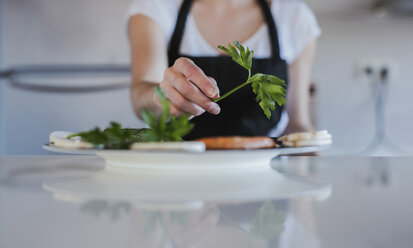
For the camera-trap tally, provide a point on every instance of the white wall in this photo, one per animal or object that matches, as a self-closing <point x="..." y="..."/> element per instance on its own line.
<point x="345" y="105"/>
<point x="1" y="83"/>
<point x="339" y="6"/>
<point x="64" y="31"/>
<point x="40" y="32"/>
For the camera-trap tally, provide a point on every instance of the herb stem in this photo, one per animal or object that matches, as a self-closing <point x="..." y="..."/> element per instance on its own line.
<point x="234" y="89"/>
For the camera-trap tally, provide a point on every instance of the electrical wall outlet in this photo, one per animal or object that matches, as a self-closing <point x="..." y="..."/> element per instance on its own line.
<point x="373" y="70"/>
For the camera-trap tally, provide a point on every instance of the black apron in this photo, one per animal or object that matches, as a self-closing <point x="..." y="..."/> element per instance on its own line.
<point x="240" y="113"/>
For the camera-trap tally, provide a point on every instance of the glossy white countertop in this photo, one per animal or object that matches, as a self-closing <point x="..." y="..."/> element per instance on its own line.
<point x="360" y="202"/>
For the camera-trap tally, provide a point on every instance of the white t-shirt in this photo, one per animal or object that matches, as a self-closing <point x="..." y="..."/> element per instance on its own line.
<point x="296" y="26"/>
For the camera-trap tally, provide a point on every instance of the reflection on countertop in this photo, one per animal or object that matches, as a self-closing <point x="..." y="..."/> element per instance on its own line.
<point x="249" y="224"/>
<point x="370" y="198"/>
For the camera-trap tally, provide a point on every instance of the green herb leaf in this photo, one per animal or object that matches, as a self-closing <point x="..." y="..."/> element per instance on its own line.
<point x="119" y="138"/>
<point x="95" y="136"/>
<point x="269" y="90"/>
<point x="165" y="127"/>
<point x="239" y="54"/>
<point x="179" y="127"/>
<point x="113" y="137"/>
<point x="162" y="128"/>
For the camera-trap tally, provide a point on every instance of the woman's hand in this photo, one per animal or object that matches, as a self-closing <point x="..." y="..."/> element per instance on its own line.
<point x="189" y="89"/>
<point x="185" y="84"/>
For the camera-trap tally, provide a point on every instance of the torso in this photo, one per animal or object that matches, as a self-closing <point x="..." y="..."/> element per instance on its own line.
<point x="220" y="25"/>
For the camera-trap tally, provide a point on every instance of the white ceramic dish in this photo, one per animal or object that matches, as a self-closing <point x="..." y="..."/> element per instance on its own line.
<point x="173" y="160"/>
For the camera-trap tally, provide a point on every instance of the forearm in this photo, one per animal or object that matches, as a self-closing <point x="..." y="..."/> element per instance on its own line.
<point x="148" y="62"/>
<point x="298" y="93"/>
<point x="297" y="105"/>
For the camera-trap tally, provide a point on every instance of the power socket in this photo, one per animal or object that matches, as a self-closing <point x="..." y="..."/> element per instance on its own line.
<point x="372" y="70"/>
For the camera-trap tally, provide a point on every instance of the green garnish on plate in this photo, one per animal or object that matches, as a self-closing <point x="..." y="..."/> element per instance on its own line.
<point x="164" y="127"/>
<point x="113" y="137"/>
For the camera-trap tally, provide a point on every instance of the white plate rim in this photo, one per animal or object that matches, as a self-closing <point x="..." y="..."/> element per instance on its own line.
<point x="282" y="151"/>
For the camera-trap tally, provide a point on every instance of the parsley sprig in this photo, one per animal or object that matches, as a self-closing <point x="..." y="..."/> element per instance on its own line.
<point x="269" y="89"/>
<point x="164" y="127"/>
<point x="113" y="137"/>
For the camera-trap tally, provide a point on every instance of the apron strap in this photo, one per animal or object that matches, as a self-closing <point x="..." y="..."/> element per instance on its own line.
<point x="272" y="29"/>
<point x="175" y="43"/>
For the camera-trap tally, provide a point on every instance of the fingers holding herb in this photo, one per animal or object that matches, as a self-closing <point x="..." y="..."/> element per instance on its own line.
<point x="185" y="86"/>
<point x="187" y="96"/>
<point x="214" y="82"/>
<point x="194" y="74"/>
<point x="180" y="103"/>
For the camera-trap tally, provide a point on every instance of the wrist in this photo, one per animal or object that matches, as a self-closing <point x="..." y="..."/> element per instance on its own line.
<point x="144" y="97"/>
<point x="298" y="127"/>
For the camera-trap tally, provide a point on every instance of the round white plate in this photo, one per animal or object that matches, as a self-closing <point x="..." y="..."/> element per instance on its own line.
<point x="173" y="160"/>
